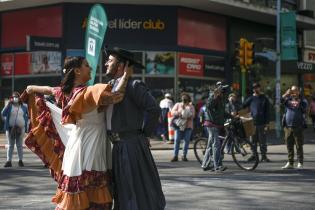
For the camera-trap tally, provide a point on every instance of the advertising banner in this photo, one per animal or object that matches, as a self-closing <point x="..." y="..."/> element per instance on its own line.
<point x="94" y="36"/>
<point x="41" y="21"/>
<point x="159" y="63"/>
<point x="288" y="36"/>
<point x="214" y="66"/>
<point x="309" y="56"/>
<point x="44" y="62"/>
<point x="191" y="64"/>
<point x="22" y="63"/>
<point x="38" y="43"/>
<point x="201" y="30"/>
<point x="7" y="63"/>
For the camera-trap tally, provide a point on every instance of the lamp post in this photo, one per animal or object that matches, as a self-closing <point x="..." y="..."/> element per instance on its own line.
<point x="278" y="73"/>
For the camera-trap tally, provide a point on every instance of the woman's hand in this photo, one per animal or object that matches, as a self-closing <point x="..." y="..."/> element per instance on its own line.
<point x="29" y="89"/>
<point x="128" y="70"/>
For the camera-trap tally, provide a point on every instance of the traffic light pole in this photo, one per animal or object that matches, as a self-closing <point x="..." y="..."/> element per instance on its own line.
<point x="243" y="73"/>
<point x="278" y="74"/>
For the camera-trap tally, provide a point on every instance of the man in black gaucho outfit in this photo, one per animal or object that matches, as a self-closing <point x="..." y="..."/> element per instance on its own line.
<point x="129" y="123"/>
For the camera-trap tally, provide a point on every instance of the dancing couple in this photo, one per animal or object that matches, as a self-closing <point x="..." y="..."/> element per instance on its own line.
<point x="94" y="139"/>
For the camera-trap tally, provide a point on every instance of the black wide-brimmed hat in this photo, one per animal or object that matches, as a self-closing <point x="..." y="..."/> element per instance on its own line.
<point x="124" y="54"/>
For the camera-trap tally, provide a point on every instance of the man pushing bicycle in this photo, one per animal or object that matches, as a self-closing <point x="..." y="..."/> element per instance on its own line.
<point x="214" y="121"/>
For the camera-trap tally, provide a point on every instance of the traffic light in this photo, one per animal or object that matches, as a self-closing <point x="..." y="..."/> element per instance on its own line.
<point x="240" y="51"/>
<point x="249" y="53"/>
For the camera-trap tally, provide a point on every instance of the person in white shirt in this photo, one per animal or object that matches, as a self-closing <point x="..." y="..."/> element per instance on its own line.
<point x="166" y="105"/>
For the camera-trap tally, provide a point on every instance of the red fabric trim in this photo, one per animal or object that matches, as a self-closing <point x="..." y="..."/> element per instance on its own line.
<point x="76" y="184"/>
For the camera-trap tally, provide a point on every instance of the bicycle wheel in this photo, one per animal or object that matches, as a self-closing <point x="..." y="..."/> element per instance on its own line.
<point x="200" y="147"/>
<point x="243" y="155"/>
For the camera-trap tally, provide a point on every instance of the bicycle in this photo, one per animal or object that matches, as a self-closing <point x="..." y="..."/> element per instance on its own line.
<point x="241" y="148"/>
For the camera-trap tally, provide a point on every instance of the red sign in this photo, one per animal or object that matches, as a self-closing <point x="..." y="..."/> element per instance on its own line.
<point x="22" y="63"/>
<point x="191" y="64"/>
<point x="7" y="64"/>
<point x="201" y="30"/>
<point x="16" y="25"/>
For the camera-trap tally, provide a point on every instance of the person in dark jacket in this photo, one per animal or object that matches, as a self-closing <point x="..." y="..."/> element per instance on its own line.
<point x="295" y="109"/>
<point x="259" y="106"/>
<point x="214" y="121"/>
<point x="136" y="182"/>
<point x="233" y="107"/>
<point x="15" y="117"/>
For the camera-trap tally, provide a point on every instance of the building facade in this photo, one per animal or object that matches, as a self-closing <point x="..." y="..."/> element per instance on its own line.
<point x="184" y="46"/>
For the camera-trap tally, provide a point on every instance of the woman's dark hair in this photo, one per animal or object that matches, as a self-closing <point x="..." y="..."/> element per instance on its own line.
<point x="68" y="69"/>
<point x="186" y="95"/>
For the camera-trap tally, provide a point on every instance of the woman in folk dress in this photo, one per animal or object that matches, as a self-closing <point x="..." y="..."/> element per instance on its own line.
<point x="80" y="160"/>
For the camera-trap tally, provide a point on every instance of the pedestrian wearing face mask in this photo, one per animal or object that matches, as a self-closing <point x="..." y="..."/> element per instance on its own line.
<point x="184" y="112"/>
<point x="15" y="118"/>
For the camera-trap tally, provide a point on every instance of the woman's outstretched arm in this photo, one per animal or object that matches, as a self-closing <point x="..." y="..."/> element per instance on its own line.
<point x="46" y="90"/>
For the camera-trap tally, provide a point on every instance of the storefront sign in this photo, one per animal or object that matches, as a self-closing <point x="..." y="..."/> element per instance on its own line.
<point x="309" y="56"/>
<point x="44" y="62"/>
<point x="7" y="64"/>
<point x="160" y="63"/>
<point x="214" y="66"/>
<point x="145" y="27"/>
<point x="136" y="25"/>
<point x="191" y="64"/>
<point x="304" y="66"/>
<point x="94" y="36"/>
<point x="37" y="43"/>
<point x="288" y="36"/>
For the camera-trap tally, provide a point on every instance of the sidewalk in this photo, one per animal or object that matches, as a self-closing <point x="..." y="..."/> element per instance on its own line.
<point x="156" y="144"/>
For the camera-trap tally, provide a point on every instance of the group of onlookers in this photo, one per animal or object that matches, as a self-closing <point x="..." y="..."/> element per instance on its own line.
<point x="216" y="109"/>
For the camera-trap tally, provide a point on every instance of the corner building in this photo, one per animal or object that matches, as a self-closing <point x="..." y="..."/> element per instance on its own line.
<point x="183" y="45"/>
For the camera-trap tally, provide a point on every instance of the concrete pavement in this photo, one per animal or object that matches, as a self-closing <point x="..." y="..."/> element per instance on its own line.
<point x="157" y="144"/>
<point x="185" y="185"/>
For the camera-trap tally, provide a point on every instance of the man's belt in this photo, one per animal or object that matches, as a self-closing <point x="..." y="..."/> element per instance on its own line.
<point x="118" y="136"/>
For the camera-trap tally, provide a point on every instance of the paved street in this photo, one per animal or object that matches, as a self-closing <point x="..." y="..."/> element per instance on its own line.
<point x="184" y="184"/>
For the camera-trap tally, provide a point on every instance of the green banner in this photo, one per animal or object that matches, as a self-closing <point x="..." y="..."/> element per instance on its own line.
<point x="288" y="36"/>
<point x="94" y="36"/>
